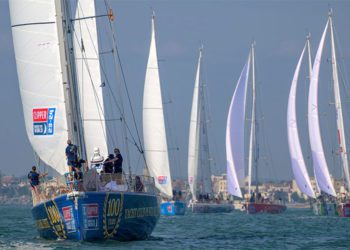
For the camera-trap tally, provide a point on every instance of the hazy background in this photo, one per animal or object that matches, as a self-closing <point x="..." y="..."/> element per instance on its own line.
<point x="226" y="28"/>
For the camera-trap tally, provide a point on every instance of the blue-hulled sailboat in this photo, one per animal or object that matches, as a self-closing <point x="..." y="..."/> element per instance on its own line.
<point x="154" y="134"/>
<point x="63" y="88"/>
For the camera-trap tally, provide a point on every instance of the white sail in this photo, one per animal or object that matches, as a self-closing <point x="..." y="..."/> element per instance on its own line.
<point x="320" y="165"/>
<point x="193" y="141"/>
<point x="235" y="135"/>
<point x="338" y="106"/>
<point x="155" y="143"/>
<point x="36" y="46"/>
<point x="89" y="78"/>
<point x="298" y="165"/>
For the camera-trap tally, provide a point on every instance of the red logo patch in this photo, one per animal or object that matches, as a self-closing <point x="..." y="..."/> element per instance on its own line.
<point x="40" y="115"/>
<point x="67" y="213"/>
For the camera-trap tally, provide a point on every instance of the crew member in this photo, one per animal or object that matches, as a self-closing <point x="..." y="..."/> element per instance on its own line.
<point x="71" y="154"/>
<point x="118" y="162"/>
<point x="108" y="164"/>
<point x="34" y="176"/>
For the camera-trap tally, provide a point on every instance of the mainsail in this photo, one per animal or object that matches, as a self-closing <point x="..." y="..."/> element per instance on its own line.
<point x="40" y="78"/>
<point x="89" y="82"/>
<point x="235" y="135"/>
<point x="155" y="143"/>
<point x="320" y="165"/>
<point x="298" y="164"/>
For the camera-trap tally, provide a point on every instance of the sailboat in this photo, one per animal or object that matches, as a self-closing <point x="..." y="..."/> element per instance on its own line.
<point x="235" y="146"/>
<point x="199" y="169"/>
<point x="155" y="141"/>
<point x="59" y="71"/>
<point x="328" y="203"/>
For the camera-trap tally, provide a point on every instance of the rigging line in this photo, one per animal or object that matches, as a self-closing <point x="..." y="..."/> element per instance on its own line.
<point x="85" y="61"/>
<point x="120" y="109"/>
<point x="175" y="159"/>
<point x="113" y="126"/>
<point x="127" y="91"/>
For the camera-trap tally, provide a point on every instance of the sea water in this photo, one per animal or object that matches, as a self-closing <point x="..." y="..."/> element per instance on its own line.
<point x="294" y="229"/>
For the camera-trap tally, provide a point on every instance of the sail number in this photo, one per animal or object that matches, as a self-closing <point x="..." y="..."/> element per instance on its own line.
<point x="114" y="207"/>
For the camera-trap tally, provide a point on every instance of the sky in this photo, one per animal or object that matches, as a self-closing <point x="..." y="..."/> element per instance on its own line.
<point x="226" y="29"/>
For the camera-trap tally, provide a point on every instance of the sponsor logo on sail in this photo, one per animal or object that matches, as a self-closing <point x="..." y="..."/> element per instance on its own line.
<point x="44" y="121"/>
<point x="162" y="179"/>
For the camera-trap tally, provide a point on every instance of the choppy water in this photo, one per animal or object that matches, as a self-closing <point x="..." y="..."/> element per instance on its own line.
<point x="295" y="229"/>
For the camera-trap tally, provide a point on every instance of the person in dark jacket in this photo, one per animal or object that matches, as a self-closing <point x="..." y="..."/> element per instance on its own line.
<point x="34" y="177"/>
<point x="108" y="164"/>
<point x="71" y="154"/>
<point x="78" y="174"/>
<point x="118" y="161"/>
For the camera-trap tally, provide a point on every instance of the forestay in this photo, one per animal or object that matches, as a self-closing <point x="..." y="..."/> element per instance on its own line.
<point x="40" y="78"/>
<point x="155" y="143"/>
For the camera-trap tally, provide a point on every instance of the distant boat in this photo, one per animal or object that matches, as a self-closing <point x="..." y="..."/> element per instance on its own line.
<point x="255" y="203"/>
<point x="328" y="203"/>
<point x="154" y="134"/>
<point x="59" y="72"/>
<point x="199" y="169"/>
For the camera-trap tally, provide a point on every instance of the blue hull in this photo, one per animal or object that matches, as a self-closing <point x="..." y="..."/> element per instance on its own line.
<point x="173" y="208"/>
<point x="97" y="216"/>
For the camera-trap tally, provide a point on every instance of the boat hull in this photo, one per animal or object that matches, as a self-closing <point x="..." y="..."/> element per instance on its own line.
<point x="343" y="209"/>
<point x="325" y="208"/>
<point x="255" y="208"/>
<point x="211" y="208"/>
<point x="173" y="208"/>
<point x="97" y="216"/>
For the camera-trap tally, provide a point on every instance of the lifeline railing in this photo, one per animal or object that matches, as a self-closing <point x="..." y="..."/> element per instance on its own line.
<point x="91" y="181"/>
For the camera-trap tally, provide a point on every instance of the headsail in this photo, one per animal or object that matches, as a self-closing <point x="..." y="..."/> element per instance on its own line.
<point x="235" y="135"/>
<point x="36" y="46"/>
<point x="320" y="165"/>
<point x="298" y="164"/>
<point x="193" y="142"/>
<point x="89" y="77"/>
<point x="155" y="143"/>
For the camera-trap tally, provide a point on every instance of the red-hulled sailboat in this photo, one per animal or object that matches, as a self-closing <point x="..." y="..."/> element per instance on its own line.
<point x="256" y="203"/>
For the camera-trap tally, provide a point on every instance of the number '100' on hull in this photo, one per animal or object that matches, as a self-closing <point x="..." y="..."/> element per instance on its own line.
<point x="95" y="216"/>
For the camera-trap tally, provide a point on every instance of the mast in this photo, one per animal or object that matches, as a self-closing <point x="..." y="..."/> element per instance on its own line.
<point x="204" y="161"/>
<point x="338" y="106"/>
<point x="309" y="57"/>
<point x="252" y="141"/>
<point x="75" y="131"/>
